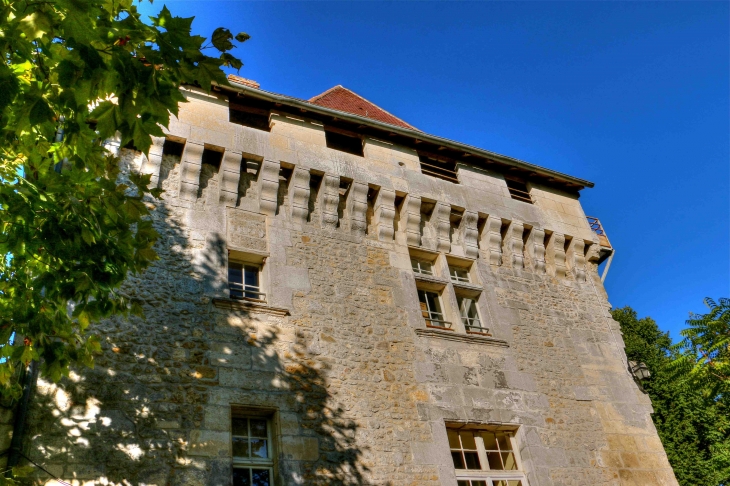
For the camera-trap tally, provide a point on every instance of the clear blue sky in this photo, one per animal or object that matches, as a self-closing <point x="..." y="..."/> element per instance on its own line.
<point x="630" y="95"/>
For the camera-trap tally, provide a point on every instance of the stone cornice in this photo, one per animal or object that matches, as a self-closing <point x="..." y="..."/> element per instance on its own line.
<point x="462" y="338"/>
<point x="241" y="305"/>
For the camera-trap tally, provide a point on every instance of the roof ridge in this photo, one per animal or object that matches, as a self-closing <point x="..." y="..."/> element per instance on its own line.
<point x="322" y="95"/>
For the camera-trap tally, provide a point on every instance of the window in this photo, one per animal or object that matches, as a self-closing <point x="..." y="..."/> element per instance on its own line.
<point x="344" y="143"/>
<point x="459" y="274"/>
<point x="442" y="168"/>
<point x="244" y="281"/>
<point x="518" y="190"/>
<point x="431" y="309"/>
<point x="422" y="267"/>
<point x="469" y="314"/>
<point x="252" y="451"/>
<point x="485" y="457"/>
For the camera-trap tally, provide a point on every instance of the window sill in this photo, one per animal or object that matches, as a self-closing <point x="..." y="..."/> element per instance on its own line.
<point x="449" y="335"/>
<point x="439" y="327"/>
<point x="250" y="306"/>
<point x="479" y="333"/>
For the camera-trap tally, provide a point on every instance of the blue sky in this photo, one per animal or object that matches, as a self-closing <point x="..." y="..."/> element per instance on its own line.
<point x="630" y="95"/>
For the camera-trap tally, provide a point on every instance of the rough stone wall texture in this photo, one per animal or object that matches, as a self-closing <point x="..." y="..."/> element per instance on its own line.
<point x="359" y="388"/>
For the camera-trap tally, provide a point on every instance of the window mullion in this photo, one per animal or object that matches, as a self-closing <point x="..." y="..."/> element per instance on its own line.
<point x="482" y="452"/>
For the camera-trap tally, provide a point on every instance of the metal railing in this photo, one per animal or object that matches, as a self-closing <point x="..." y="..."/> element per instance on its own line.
<point x="597" y="228"/>
<point x="247" y="292"/>
<point x="432" y="322"/>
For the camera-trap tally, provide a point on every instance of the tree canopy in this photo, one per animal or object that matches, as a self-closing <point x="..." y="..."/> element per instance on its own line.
<point x="74" y="74"/>
<point x="694" y="428"/>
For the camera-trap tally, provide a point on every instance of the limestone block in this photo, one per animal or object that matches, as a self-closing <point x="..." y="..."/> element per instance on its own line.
<point x="230" y="176"/>
<point x="152" y="165"/>
<point x="246" y="231"/>
<point x="192" y="161"/>
<point x="470" y="234"/>
<point x="209" y="443"/>
<point x="442" y="226"/>
<point x="358" y="207"/>
<point x="513" y="245"/>
<point x="385" y="214"/>
<point x="300" y="448"/>
<point x="412" y="219"/>
<point x="492" y="240"/>
<point x="299" y="195"/>
<point x="269" y="187"/>
<point x="330" y="200"/>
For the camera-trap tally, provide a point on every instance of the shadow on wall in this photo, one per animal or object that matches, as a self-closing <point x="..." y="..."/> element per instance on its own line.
<point x="152" y="410"/>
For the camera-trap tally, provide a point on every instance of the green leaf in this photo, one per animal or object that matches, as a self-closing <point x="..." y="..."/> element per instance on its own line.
<point x="107" y="117"/>
<point x="40" y="112"/>
<point x="9" y="86"/>
<point x="231" y="61"/>
<point x="222" y="39"/>
<point x="242" y="37"/>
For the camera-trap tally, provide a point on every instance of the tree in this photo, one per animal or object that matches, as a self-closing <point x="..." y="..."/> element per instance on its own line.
<point x="694" y="430"/>
<point x="75" y="73"/>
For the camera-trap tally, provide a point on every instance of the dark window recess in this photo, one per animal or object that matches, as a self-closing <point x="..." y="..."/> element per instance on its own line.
<point x="212" y="157"/>
<point x="518" y="190"/>
<point x="171" y="147"/>
<point x="443" y="169"/>
<point x="260" y="121"/>
<point x="344" y="143"/>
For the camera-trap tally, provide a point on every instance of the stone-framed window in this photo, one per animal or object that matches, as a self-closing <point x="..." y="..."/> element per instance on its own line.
<point x="469" y="314"/>
<point x="421" y="266"/>
<point x="459" y="274"/>
<point x="432" y="309"/>
<point x="245" y="276"/>
<point x="252" y="448"/>
<point x="518" y="190"/>
<point x="485" y="455"/>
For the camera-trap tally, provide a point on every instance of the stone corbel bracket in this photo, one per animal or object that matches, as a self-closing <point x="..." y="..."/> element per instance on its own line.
<point x="385" y="214"/>
<point x="299" y="195"/>
<point x="492" y="240"/>
<point x="154" y="161"/>
<point x="192" y="161"/>
<point x="513" y="244"/>
<point x="330" y="200"/>
<point x="412" y="219"/>
<point x="470" y="234"/>
<point x="230" y="176"/>
<point x="358" y="208"/>
<point x="269" y="187"/>
<point x="442" y="226"/>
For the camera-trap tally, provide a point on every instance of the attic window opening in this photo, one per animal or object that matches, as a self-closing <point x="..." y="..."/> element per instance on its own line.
<point x="250" y="117"/>
<point x="519" y="190"/>
<point x="442" y="169"/>
<point x="344" y="143"/>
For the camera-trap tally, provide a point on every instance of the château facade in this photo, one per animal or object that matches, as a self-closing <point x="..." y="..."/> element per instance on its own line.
<point x="344" y="299"/>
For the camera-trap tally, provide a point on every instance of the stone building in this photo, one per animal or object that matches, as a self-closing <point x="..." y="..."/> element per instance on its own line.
<point x="344" y="299"/>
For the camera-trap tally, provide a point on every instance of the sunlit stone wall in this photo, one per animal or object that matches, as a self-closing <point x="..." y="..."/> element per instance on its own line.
<point x="358" y="386"/>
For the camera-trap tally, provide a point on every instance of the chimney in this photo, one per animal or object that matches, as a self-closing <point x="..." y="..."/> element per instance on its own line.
<point x="246" y="82"/>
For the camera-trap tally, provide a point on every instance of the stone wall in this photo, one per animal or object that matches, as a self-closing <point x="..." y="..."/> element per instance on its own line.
<point x="358" y="386"/>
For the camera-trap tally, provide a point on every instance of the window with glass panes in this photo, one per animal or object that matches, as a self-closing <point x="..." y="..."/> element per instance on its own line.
<point x="421" y="266"/>
<point x="469" y="314"/>
<point x="459" y="274"/>
<point x="252" y="451"/>
<point x="431" y="308"/>
<point x="485" y="458"/>
<point x="244" y="281"/>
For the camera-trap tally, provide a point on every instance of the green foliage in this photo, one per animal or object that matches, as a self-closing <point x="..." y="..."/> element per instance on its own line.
<point x="704" y="353"/>
<point x="90" y="70"/>
<point x="694" y="429"/>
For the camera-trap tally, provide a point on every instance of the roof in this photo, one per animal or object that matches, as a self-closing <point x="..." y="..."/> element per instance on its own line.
<point x="343" y="99"/>
<point x="245" y="89"/>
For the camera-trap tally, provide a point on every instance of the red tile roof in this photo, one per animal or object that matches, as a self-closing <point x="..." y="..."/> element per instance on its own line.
<point x="342" y="99"/>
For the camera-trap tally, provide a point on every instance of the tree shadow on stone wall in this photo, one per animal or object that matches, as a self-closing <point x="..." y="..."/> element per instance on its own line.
<point x="129" y="420"/>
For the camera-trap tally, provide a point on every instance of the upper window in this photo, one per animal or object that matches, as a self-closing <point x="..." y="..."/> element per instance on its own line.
<point x="250" y="117"/>
<point x="459" y="274"/>
<point x="518" y="190"/>
<point x="344" y="143"/>
<point x="244" y="281"/>
<point x="422" y="266"/>
<point x="441" y="168"/>
<point x="252" y="451"/>
<point x="485" y="457"/>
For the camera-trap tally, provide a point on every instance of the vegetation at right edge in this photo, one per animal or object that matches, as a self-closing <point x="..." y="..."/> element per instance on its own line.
<point x="688" y="393"/>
